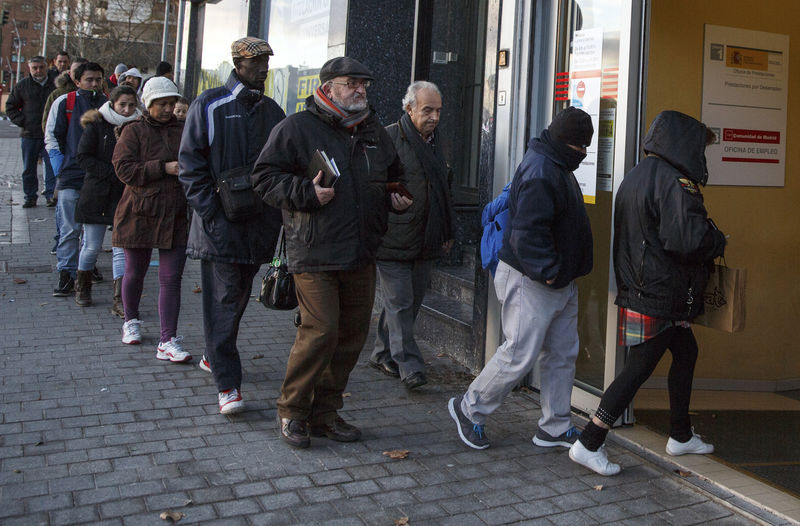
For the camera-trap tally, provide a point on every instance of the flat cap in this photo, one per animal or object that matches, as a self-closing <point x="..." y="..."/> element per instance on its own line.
<point x="344" y="67"/>
<point x="250" y="47"/>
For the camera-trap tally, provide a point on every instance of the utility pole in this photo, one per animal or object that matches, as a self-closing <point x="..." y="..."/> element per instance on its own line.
<point x="46" y="28"/>
<point x="165" y="33"/>
<point x="19" y="46"/>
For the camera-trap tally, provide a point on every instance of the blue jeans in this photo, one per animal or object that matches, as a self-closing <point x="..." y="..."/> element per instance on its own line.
<point x="32" y="150"/>
<point x="56" y="158"/>
<point x="69" y="231"/>
<point x="92" y="244"/>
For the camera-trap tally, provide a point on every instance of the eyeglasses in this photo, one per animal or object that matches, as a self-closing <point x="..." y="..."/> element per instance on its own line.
<point x="354" y="83"/>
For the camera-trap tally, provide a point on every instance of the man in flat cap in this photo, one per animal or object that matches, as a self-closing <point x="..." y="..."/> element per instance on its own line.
<point x="333" y="228"/>
<point x="225" y="129"/>
<point x="547" y="244"/>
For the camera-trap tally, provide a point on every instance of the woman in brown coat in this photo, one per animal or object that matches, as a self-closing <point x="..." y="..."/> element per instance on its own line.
<point x="152" y="214"/>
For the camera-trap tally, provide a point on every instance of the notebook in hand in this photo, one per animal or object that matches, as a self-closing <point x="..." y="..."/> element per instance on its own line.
<point x="330" y="173"/>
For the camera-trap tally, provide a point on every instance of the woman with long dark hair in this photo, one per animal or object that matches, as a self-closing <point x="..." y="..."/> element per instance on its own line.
<point x="101" y="190"/>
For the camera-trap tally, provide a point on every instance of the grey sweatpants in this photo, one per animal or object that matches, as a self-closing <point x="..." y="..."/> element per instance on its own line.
<point x="539" y="322"/>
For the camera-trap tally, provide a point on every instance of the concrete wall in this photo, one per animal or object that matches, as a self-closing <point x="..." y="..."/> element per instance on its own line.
<point x="763" y="222"/>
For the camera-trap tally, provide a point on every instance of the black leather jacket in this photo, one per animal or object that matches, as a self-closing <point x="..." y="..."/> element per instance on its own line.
<point x="663" y="240"/>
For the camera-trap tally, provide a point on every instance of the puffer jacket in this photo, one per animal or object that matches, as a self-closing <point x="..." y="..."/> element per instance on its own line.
<point x="152" y="212"/>
<point x="406" y="237"/>
<point x="346" y="232"/>
<point x="25" y="105"/>
<point x="548" y="235"/>
<point x="226" y="128"/>
<point x="101" y="189"/>
<point x="663" y="239"/>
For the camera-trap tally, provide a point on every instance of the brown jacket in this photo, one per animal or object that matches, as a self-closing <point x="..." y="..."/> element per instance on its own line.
<point x="152" y="212"/>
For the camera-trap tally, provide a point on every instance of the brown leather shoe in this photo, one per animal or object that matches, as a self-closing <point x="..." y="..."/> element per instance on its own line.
<point x="294" y="432"/>
<point x="338" y="430"/>
<point x="83" y="288"/>
<point x="415" y="380"/>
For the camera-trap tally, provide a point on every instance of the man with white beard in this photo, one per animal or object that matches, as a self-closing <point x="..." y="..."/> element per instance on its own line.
<point x="333" y="229"/>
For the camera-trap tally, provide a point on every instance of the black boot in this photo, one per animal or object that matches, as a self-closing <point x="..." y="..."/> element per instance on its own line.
<point x="96" y="276"/>
<point x="66" y="284"/>
<point x="83" y="288"/>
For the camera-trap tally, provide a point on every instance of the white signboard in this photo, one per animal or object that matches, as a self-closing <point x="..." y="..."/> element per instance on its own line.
<point x="745" y="92"/>
<point x="584" y="89"/>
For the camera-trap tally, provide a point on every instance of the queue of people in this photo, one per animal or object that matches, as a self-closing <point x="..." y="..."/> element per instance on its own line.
<point x="140" y="159"/>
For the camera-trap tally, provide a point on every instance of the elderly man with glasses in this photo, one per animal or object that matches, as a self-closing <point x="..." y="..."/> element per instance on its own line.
<point x="333" y="228"/>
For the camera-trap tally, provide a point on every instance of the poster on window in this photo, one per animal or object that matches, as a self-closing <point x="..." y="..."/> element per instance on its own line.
<point x="745" y="94"/>
<point x="584" y="88"/>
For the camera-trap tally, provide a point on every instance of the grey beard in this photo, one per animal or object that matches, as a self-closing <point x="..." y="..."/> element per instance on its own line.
<point x="355" y="107"/>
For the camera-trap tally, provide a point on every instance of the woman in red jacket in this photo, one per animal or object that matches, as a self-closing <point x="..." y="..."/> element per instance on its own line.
<point x="152" y="214"/>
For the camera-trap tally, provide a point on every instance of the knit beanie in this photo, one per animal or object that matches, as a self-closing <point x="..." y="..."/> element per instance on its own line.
<point x="158" y="88"/>
<point x="572" y="126"/>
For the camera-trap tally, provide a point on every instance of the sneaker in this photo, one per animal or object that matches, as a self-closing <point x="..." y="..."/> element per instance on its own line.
<point x="53" y="250"/>
<point x="204" y="365"/>
<point x="96" y="276"/>
<point x="230" y="401"/>
<point x="694" y="446"/>
<point x="471" y="434"/>
<point x="294" y="432"/>
<point x="565" y="439"/>
<point x="29" y="203"/>
<point x="131" y="332"/>
<point x="337" y="430"/>
<point x="65" y="286"/>
<point x="597" y="461"/>
<point x="173" y="350"/>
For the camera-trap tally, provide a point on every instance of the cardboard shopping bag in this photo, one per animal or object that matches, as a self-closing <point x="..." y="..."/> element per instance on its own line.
<point x="724" y="300"/>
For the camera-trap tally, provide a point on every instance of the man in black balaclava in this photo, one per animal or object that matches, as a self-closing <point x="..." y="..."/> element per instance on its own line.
<point x="547" y="244"/>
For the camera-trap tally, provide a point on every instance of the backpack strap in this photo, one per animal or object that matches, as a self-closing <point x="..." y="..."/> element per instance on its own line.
<point x="71" y="96"/>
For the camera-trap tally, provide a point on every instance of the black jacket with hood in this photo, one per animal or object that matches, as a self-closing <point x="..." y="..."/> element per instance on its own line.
<point x="345" y="233"/>
<point x="663" y="240"/>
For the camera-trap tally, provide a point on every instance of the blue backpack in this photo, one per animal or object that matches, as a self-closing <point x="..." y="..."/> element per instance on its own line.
<point x="494" y="221"/>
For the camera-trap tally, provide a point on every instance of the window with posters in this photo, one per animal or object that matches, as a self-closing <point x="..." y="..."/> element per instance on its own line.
<point x="301" y="34"/>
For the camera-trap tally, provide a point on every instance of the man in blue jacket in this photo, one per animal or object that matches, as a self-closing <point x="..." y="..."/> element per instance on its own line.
<point x="61" y="136"/>
<point x="547" y="244"/>
<point x="225" y="129"/>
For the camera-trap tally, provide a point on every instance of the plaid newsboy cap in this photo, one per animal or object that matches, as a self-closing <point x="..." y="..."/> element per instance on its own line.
<point x="249" y="47"/>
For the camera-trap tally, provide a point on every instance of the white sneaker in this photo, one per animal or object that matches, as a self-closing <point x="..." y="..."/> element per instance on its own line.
<point x="695" y="446"/>
<point x="230" y="402"/>
<point x="173" y="350"/>
<point x="204" y="365"/>
<point x="597" y="461"/>
<point x="131" y="332"/>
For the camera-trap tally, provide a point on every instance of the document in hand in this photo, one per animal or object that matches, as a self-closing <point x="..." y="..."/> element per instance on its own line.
<point x="330" y="173"/>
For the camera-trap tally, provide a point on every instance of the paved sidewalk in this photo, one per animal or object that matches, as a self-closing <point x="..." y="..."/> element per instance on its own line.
<point x="97" y="432"/>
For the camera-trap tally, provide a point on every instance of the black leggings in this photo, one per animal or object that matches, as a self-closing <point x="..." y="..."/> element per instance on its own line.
<point x="642" y="360"/>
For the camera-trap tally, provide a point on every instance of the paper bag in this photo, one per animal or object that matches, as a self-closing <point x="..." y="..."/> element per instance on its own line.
<point x="724" y="300"/>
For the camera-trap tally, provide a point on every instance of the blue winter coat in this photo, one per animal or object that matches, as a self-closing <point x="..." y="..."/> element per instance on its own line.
<point x="549" y="236"/>
<point x="226" y="128"/>
<point x="64" y="134"/>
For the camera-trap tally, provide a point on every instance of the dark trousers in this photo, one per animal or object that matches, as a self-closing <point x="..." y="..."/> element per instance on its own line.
<point x="226" y="292"/>
<point x="32" y="150"/>
<point x="402" y="289"/>
<point x="335" y="308"/>
<point x="642" y="360"/>
<point x="170" y="271"/>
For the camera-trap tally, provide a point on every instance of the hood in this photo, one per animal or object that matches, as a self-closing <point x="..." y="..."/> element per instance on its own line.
<point x="63" y="79"/>
<point x="681" y="141"/>
<point x="90" y="116"/>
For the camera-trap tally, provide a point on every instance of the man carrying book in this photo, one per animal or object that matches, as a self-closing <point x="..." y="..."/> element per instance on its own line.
<point x="332" y="235"/>
<point x="226" y="128"/>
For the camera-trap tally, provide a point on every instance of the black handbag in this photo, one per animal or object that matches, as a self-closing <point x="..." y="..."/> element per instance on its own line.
<point x="235" y="189"/>
<point x="277" y="287"/>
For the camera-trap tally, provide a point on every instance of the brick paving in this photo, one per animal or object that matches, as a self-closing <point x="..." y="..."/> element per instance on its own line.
<point x="97" y="432"/>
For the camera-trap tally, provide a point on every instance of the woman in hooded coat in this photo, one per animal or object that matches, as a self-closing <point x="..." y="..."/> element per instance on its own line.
<point x="101" y="190"/>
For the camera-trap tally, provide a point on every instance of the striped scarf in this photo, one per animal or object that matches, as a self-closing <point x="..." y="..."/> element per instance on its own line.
<point x="345" y="119"/>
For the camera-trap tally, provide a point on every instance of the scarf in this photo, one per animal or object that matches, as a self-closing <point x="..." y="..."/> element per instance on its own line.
<point x="570" y="157"/>
<point x="112" y="117"/>
<point x="344" y="118"/>
<point x="440" y="214"/>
